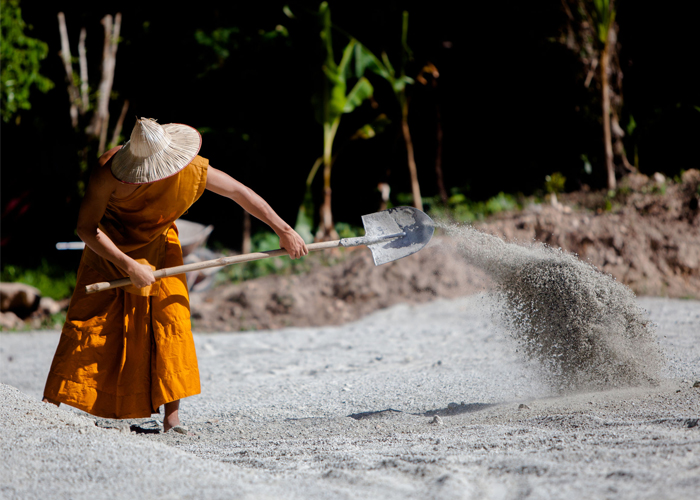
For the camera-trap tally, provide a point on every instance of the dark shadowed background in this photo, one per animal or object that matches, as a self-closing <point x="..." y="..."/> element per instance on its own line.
<point x="511" y="102"/>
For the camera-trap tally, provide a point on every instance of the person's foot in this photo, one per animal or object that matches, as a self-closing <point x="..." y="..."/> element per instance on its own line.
<point x="50" y="401"/>
<point x="171" y="417"/>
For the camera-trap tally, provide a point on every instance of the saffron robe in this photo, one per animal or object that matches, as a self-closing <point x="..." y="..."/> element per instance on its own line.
<point x="125" y="352"/>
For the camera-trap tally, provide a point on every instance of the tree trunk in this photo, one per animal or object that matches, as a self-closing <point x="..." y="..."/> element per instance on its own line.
<point x="415" y="187"/>
<point x="438" y="158"/>
<point x="73" y="93"/>
<point x="246" y="246"/>
<point x="120" y="123"/>
<point x="326" y="228"/>
<point x="607" y="134"/>
<point x="82" y="59"/>
<point x="100" y="120"/>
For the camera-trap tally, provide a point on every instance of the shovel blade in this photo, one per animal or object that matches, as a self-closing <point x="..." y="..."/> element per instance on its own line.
<point x="417" y="226"/>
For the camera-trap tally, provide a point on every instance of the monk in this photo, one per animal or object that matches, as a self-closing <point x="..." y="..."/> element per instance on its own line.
<point x="125" y="352"/>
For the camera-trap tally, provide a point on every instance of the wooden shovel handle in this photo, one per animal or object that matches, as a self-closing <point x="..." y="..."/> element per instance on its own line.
<point x="221" y="262"/>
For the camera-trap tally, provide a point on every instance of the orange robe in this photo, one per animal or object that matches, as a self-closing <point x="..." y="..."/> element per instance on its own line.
<point x="126" y="351"/>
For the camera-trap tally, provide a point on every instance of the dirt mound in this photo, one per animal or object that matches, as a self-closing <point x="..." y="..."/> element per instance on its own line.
<point x="647" y="236"/>
<point x="648" y="240"/>
<point x="337" y="294"/>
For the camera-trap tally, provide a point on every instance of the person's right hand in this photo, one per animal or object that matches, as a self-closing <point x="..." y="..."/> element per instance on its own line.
<point x="141" y="275"/>
<point x="293" y="243"/>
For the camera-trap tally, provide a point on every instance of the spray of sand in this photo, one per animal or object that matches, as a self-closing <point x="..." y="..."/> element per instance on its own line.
<point x="583" y="328"/>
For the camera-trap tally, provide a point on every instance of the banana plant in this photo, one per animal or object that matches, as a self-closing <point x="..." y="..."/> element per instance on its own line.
<point x="335" y="100"/>
<point x="398" y="80"/>
<point x="592" y="32"/>
<point x="603" y="13"/>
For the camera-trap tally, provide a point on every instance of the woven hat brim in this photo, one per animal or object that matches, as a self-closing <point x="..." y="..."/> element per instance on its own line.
<point x="184" y="146"/>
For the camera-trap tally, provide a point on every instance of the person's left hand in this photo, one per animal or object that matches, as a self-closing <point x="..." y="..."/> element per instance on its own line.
<point x="293" y="244"/>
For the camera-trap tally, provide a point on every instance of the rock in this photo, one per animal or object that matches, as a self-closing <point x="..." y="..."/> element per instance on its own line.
<point x="696" y="384"/>
<point x="523" y="407"/>
<point x="49" y="306"/>
<point x="635" y="181"/>
<point x="688" y="256"/>
<point x="19" y="298"/>
<point x="691" y="177"/>
<point x="436" y="420"/>
<point x="10" y="321"/>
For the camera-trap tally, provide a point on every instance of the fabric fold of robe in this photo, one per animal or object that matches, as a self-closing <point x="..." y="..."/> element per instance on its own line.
<point x="125" y="352"/>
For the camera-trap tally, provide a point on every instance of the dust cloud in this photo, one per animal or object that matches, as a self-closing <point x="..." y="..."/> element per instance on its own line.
<point x="581" y="327"/>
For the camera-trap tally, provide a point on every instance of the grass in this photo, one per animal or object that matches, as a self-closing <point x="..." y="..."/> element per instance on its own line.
<point x="52" y="281"/>
<point x="459" y="208"/>
<point x="283" y="265"/>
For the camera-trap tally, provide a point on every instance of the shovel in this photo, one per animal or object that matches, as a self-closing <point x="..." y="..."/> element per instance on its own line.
<point x="390" y="235"/>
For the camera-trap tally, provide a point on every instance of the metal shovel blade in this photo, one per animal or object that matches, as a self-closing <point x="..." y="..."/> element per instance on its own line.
<point x="416" y="225"/>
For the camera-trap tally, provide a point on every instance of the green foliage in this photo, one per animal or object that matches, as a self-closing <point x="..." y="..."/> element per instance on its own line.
<point x="285" y="266"/>
<point x="20" y="59"/>
<point x="603" y="14"/>
<point x="335" y="99"/>
<point x="678" y="178"/>
<point x="608" y="205"/>
<point x="304" y="223"/>
<point x="461" y="209"/>
<point x="52" y="281"/>
<point x="404" y="199"/>
<point x="260" y="242"/>
<point x="222" y="43"/>
<point x="502" y="202"/>
<point x="346" y="230"/>
<point x="587" y="167"/>
<point x="554" y="183"/>
<point x="596" y="18"/>
<point x="54" y="320"/>
<point x="397" y="79"/>
<point x="331" y="103"/>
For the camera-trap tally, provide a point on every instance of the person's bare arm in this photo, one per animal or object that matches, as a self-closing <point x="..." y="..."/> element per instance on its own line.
<point x="223" y="184"/>
<point x="101" y="186"/>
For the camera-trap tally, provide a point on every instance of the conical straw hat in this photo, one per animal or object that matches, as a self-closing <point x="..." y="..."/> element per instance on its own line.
<point x="155" y="151"/>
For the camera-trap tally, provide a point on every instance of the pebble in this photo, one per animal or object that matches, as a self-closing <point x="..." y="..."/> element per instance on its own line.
<point x="436" y="420"/>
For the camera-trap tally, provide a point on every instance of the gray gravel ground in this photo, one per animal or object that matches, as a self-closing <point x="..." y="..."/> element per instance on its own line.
<point x="411" y="402"/>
